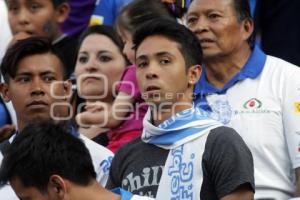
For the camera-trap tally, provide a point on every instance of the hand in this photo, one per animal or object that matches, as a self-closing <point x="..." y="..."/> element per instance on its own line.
<point x="96" y="106"/>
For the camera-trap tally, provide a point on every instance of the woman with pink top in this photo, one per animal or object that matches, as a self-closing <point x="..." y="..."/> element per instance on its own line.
<point x="110" y="103"/>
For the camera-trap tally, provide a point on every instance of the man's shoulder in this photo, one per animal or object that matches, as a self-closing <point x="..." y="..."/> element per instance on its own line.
<point x="137" y="149"/>
<point x="275" y="63"/>
<point x="133" y="145"/>
<point x="4" y="145"/>
<point x="223" y="136"/>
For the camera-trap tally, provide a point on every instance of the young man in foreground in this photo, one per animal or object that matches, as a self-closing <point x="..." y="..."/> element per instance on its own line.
<point x="46" y="162"/>
<point x="182" y="152"/>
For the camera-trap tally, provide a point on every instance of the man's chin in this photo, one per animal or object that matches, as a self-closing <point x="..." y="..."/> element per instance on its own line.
<point x="39" y="117"/>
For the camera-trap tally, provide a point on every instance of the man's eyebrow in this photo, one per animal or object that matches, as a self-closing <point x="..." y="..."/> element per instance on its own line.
<point x="163" y="53"/>
<point x="142" y="57"/>
<point x="158" y="54"/>
<point x="191" y="13"/>
<point x="30" y="73"/>
<point x="195" y="13"/>
<point x="24" y="74"/>
<point x="47" y="72"/>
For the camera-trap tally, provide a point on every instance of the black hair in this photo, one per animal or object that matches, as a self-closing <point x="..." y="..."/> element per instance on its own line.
<point x="24" y="48"/>
<point x="57" y="3"/>
<point x="242" y="9"/>
<point x="189" y="45"/>
<point x="140" y="11"/>
<point x="44" y="149"/>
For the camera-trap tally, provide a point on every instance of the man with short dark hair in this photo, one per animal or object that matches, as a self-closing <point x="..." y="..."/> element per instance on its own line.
<point x="36" y="86"/>
<point x="183" y="153"/>
<point x="46" y="162"/>
<point x="256" y="94"/>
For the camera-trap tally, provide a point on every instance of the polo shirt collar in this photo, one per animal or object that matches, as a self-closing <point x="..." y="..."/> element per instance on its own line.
<point x="251" y="69"/>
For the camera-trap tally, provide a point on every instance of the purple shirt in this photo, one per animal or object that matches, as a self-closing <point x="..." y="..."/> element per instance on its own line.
<point x="79" y="17"/>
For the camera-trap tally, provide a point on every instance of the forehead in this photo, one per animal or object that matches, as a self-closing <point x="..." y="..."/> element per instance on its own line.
<point x="101" y="41"/>
<point x="149" y="46"/>
<point x="39" y="63"/>
<point x="211" y="5"/>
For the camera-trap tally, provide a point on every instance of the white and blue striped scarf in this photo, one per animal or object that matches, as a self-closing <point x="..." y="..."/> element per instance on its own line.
<point x="184" y="134"/>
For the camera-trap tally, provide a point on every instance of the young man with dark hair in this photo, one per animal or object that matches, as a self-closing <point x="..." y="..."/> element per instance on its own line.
<point x="182" y="153"/>
<point x="256" y="94"/>
<point x="39" y="18"/>
<point x="35" y="84"/>
<point x="46" y="162"/>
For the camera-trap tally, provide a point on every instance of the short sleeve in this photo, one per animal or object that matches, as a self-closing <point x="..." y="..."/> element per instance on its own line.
<point x="227" y="163"/>
<point x="291" y="112"/>
<point x="114" y="178"/>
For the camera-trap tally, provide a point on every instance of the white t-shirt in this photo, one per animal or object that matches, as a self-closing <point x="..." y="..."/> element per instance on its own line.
<point x="265" y="111"/>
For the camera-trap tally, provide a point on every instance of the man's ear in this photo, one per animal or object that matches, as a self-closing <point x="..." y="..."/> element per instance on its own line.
<point x="248" y="27"/>
<point x="57" y="187"/>
<point x="62" y="12"/>
<point x="194" y="73"/>
<point x="5" y="92"/>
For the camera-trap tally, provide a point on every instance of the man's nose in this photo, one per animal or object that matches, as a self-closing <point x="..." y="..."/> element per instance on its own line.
<point x="152" y="71"/>
<point x="37" y="87"/>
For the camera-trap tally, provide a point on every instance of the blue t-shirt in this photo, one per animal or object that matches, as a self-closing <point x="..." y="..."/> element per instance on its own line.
<point x="106" y="11"/>
<point x="125" y="195"/>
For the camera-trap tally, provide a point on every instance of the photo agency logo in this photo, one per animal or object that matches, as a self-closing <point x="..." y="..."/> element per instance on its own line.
<point x="167" y="101"/>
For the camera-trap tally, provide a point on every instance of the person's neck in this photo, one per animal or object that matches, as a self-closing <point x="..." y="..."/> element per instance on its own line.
<point x="20" y="125"/>
<point x="94" y="191"/>
<point x="222" y="69"/>
<point x="160" y="113"/>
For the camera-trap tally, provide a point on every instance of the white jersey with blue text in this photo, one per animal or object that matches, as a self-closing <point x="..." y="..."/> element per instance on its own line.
<point x="265" y="111"/>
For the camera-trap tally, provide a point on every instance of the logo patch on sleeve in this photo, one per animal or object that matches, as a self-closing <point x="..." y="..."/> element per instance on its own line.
<point x="297" y="107"/>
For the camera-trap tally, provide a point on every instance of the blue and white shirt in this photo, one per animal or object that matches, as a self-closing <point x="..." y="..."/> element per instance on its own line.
<point x="262" y="103"/>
